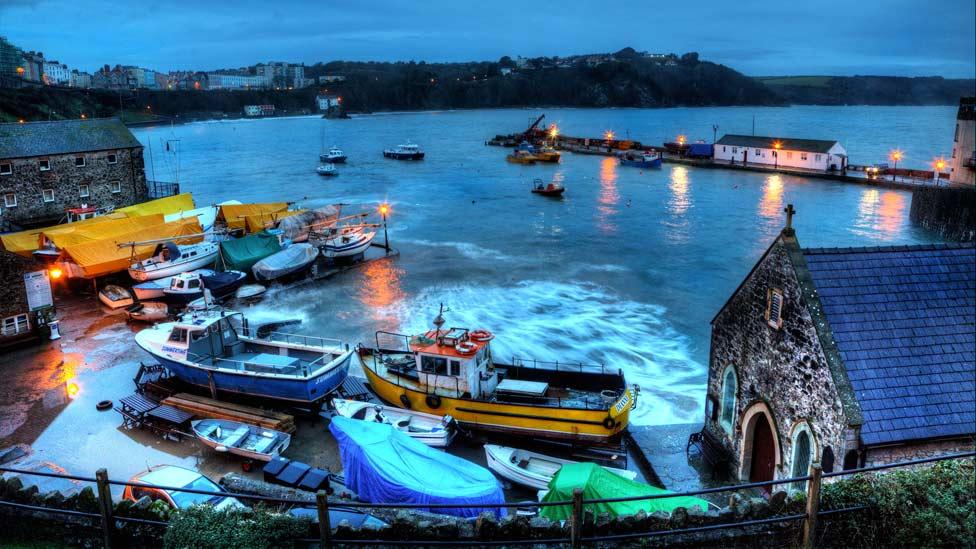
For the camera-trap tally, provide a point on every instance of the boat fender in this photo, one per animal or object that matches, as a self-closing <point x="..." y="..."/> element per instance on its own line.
<point x="220" y="448"/>
<point x="433" y="401"/>
<point x="609" y="423"/>
<point x="481" y="335"/>
<point x="103" y="405"/>
<point x="405" y="401"/>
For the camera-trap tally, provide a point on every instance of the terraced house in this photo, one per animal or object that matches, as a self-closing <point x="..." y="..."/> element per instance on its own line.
<point x="48" y="168"/>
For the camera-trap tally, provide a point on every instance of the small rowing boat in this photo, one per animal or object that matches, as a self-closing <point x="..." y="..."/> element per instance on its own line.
<point x="115" y="297"/>
<point x="147" y="311"/>
<point x="551" y="189"/>
<point x="433" y="430"/>
<point x="530" y="468"/>
<point x="241" y="439"/>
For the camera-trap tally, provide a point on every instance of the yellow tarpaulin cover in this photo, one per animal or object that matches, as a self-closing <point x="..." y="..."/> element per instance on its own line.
<point x="260" y="222"/>
<point x="169" y="205"/>
<point x="234" y="214"/>
<point x="102" y="257"/>
<point x="65" y="236"/>
<point x="25" y="242"/>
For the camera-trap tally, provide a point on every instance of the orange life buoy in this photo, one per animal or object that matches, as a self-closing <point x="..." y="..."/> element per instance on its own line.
<point x="481" y="335"/>
<point x="465" y="348"/>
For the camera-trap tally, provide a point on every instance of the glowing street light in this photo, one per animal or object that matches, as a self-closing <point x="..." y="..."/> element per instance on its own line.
<point x="681" y="140"/>
<point x="553" y="131"/>
<point x="777" y="145"/>
<point x="72" y="389"/>
<point x="939" y="164"/>
<point x="895" y="156"/>
<point x="608" y="135"/>
<point x="55" y="273"/>
<point x="384" y="211"/>
<point x="83" y="116"/>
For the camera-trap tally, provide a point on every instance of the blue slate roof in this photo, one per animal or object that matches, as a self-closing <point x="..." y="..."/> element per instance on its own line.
<point x="64" y="137"/>
<point x="904" y="321"/>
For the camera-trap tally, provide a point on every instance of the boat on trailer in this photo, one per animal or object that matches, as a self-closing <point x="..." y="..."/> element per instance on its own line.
<point x="433" y="430"/>
<point x="169" y="259"/>
<point x="241" y="439"/>
<point x="452" y="372"/>
<point x="217" y="350"/>
<point x="530" y="468"/>
<point x="344" y="242"/>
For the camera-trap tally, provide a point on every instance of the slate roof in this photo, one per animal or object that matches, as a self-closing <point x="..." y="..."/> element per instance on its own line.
<point x="786" y="143"/>
<point x="904" y="321"/>
<point x="64" y="137"/>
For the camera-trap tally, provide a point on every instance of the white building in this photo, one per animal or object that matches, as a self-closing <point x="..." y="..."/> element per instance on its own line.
<point x="329" y="78"/>
<point x="962" y="167"/>
<point x="326" y="102"/>
<point x="259" y="110"/>
<point x="80" y="79"/>
<point x="217" y="81"/>
<point x="56" y="74"/>
<point x="810" y="154"/>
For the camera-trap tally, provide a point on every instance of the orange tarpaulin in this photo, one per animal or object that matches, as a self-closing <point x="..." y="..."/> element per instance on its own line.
<point x="166" y="206"/>
<point x="102" y="257"/>
<point x="25" y="242"/>
<point x="260" y="222"/>
<point x="234" y="214"/>
<point x="63" y="236"/>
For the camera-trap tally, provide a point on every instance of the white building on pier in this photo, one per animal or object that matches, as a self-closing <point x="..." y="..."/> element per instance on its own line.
<point x="786" y="152"/>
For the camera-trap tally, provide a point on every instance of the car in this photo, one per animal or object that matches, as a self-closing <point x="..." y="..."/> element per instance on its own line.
<point x="170" y="476"/>
<point x="356" y="519"/>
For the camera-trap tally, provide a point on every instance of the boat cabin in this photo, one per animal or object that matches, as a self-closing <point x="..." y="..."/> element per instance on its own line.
<point x="456" y="360"/>
<point x="186" y="283"/>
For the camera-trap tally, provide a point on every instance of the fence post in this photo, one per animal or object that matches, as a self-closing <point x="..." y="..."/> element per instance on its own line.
<point x="325" y="527"/>
<point x="576" y="520"/>
<point x="813" y="506"/>
<point x="105" y="506"/>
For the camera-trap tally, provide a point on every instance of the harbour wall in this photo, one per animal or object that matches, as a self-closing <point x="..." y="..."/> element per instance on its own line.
<point x="949" y="211"/>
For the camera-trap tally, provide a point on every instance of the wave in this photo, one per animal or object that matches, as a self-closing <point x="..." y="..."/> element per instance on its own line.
<point x="467" y="249"/>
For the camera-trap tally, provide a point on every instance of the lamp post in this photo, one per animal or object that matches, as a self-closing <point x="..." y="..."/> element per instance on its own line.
<point x="384" y="210"/>
<point x="714" y="133"/>
<point x="939" y="166"/>
<point x="776" y="147"/>
<point x="895" y="156"/>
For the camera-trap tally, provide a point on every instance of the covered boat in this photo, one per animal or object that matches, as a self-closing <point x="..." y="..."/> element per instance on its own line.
<point x="598" y="483"/>
<point x="115" y="297"/>
<point x="383" y="465"/>
<point x="169" y="259"/>
<point x="530" y="468"/>
<point x="217" y="350"/>
<point x="296" y="228"/>
<point x="434" y="431"/>
<point x="294" y="259"/>
<point x="240" y="254"/>
<point x="644" y="160"/>
<point x="241" y="439"/>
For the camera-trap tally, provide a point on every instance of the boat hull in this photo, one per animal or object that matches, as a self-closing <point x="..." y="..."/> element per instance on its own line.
<point x="651" y="164"/>
<point x="349" y="249"/>
<point x="403" y="156"/>
<point x="193" y="264"/>
<point x="435" y="439"/>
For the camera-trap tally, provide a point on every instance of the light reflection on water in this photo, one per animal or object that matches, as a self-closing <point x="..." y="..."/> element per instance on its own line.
<point x="381" y="295"/>
<point x="881" y="214"/>
<point x="771" y="205"/>
<point x="609" y="197"/>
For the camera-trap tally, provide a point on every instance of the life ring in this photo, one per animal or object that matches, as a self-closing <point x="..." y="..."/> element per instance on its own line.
<point x="434" y="401"/>
<point x="481" y="335"/>
<point x="465" y="348"/>
<point x="609" y="423"/>
<point x="103" y="405"/>
<point x="405" y="401"/>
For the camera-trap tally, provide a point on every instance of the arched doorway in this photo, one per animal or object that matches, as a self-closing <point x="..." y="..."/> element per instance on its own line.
<point x="759" y="452"/>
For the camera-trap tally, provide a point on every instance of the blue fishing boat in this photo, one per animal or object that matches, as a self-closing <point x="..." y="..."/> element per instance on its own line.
<point x="644" y="160"/>
<point x="217" y="350"/>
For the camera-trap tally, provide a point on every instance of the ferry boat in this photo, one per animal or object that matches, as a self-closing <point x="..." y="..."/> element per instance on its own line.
<point x="452" y="372"/>
<point x="215" y="350"/>
<point x="408" y="151"/>
<point x="334" y="156"/>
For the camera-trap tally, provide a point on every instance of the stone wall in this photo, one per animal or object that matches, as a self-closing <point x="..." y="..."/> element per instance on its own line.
<point x="13" y="293"/>
<point x="783" y="368"/>
<point x="951" y="212"/>
<point x="28" y="183"/>
<point x="906" y="452"/>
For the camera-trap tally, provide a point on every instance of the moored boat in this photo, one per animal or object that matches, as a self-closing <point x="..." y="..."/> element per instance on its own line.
<point x="530" y="468"/>
<point x="115" y="297"/>
<point x="170" y="259"/>
<point x="334" y="156"/>
<point x="550" y="189"/>
<point x="241" y="439"/>
<point x="434" y="431"/>
<point x="153" y="289"/>
<point x="186" y="287"/>
<point x="521" y="157"/>
<point x="345" y="243"/>
<point x="407" y="151"/>
<point x="292" y="260"/>
<point x="642" y="160"/>
<point x="250" y="292"/>
<point x="327" y="169"/>
<point x="452" y="372"/>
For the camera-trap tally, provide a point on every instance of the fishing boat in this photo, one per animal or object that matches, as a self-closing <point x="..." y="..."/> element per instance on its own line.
<point x="530" y="468"/>
<point x="147" y="311"/>
<point x="550" y="189"/>
<point x="521" y="157"/>
<point x="169" y="259"/>
<point x="153" y="289"/>
<point x="241" y="439"/>
<point x="292" y="260"/>
<point x="218" y="351"/>
<point x="434" y="431"/>
<point x="327" y="169"/>
<point x="547" y="154"/>
<point x="381" y="464"/>
<point x="642" y="160"/>
<point x="452" y="372"/>
<point x="115" y="297"/>
<point x="186" y="287"/>
<point x="407" y="151"/>
<point x="334" y="156"/>
<point x="346" y="243"/>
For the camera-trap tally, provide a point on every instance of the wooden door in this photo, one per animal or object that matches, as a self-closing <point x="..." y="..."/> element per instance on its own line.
<point x="763" y="451"/>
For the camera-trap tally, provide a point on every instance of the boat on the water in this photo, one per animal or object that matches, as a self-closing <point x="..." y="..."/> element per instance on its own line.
<point x="547" y="154"/>
<point x="334" y="156"/>
<point x="407" y="151"/>
<point x="153" y="289"/>
<point x="383" y="465"/>
<point x="327" y="169"/>
<point x="217" y="350"/>
<point x="147" y="311"/>
<point x="521" y="157"/>
<point x="292" y="260"/>
<point x="434" y="431"/>
<point x="530" y="468"/>
<point x="345" y="242"/>
<point x="186" y="287"/>
<point x="452" y="372"/>
<point x="550" y="189"/>
<point x="241" y="439"/>
<point x="641" y="160"/>
<point x="115" y="297"/>
<point x="169" y="259"/>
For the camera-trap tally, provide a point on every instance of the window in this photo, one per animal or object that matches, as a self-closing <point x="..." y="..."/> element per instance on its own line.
<point x="178" y="335"/>
<point x="827" y="460"/>
<point x="80" y="161"/>
<point x="48" y="195"/>
<point x="116" y="186"/>
<point x="955" y="136"/>
<point x="723" y="148"/>
<point x="45" y="165"/>
<point x="729" y="388"/>
<point x="6" y="169"/>
<point x="10" y="200"/>
<point x="789" y="155"/>
<point x="735" y="150"/>
<point x="816" y="158"/>
<point x="83" y="191"/>
<point x="801" y="457"/>
<point x="757" y="152"/>
<point x="850" y="460"/>
<point x="803" y="156"/>
<point x="455" y="368"/>
<point x="17" y="324"/>
<point x="774" y="308"/>
<point x="113" y="159"/>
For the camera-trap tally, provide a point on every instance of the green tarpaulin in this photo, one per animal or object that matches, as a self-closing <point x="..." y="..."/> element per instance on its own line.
<point x="240" y="254"/>
<point x="598" y="483"/>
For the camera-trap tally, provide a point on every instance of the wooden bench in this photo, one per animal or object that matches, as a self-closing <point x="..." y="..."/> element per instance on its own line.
<point x="711" y="451"/>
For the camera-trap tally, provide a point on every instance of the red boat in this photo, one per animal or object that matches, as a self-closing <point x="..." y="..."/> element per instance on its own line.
<point x="551" y="189"/>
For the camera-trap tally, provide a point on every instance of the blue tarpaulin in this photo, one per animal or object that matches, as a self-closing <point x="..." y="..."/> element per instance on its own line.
<point x="699" y="150"/>
<point x="383" y="465"/>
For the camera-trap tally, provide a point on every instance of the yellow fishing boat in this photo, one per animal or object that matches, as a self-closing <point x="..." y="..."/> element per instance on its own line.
<point x="521" y="157"/>
<point x="547" y="154"/>
<point x="451" y="372"/>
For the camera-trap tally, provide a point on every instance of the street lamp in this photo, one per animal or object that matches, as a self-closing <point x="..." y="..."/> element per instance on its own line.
<point x="895" y="156"/>
<point x="608" y="135"/>
<point x="776" y="147"/>
<point x="384" y="211"/>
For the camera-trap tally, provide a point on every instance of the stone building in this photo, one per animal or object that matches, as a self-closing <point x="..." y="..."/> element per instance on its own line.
<point x="47" y="168"/>
<point x="18" y="322"/>
<point x="962" y="166"/>
<point x="846" y="356"/>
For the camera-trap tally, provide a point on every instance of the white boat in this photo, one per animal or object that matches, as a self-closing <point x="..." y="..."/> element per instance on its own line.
<point x="530" y="468"/>
<point x="433" y="430"/>
<point x="293" y="259"/>
<point x="147" y="311"/>
<point x="241" y="439"/>
<point x="153" y="289"/>
<point x="327" y="169"/>
<point x="407" y="151"/>
<point x="186" y="287"/>
<point x="347" y="243"/>
<point x="250" y="292"/>
<point x="169" y="259"/>
<point x="115" y="297"/>
<point x="334" y="156"/>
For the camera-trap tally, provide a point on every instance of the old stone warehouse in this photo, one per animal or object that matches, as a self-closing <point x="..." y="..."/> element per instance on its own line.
<point x="847" y="356"/>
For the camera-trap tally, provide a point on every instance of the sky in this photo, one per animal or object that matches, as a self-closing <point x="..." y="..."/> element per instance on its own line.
<point x="756" y="37"/>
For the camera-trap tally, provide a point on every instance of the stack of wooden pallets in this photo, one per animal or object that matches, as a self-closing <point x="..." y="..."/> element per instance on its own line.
<point x="208" y="407"/>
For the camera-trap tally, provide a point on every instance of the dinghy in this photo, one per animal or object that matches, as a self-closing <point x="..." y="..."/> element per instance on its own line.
<point x="153" y="289"/>
<point x="291" y="260"/>
<point x="434" y="431"/>
<point x="250" y="292"/>
<point x="241" y="439"/>
<point x="532" y="469"/>
<point x="327" y="169"/>
<point x="147" y="311"/>
<point x="551" y="189"/>
<point x="169" y="259"/>
<point x="115" y="297"/>
<point x="347" y="244"/>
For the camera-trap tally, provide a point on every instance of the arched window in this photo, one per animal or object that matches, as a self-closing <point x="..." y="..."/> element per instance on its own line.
<point x="827" y="461"/>
<point x="730" y="386"/>
<point x="801" y="457"/>
<point x="850" y="460"/>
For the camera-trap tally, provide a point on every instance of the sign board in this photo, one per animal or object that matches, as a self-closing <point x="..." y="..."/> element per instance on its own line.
<point x="38" y="290"/>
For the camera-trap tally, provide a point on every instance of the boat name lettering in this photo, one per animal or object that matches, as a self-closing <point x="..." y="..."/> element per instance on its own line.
<point x="175" y="350"/>
<point x="622" y="403"/>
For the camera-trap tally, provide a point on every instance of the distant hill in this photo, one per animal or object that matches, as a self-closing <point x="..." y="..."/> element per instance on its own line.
<point x="869" y="90"/>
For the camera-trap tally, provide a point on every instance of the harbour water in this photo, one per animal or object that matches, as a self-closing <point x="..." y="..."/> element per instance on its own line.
<point x="627" y="270"/>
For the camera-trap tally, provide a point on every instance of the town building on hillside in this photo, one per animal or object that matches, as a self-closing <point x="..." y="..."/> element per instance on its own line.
<point x="962" y="168"/>
<point x="80" y="79"/>
<point x="329" y="78"/>
<point x="220" y="81"/>
<point x="114" y="78"/>
<point x="781" y="152"/>
<point x="47" y="168"/>
<point x="33" y="65"/>
<point x="847" y="356"/>
<point x="259" y="110"/>
<point x="56" y="74"/>
<point x="281" y="75"/>
<point x="26" y="303"/>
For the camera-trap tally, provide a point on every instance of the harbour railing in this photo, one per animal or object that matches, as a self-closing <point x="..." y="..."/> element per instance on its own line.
<point x="107" y="522"/>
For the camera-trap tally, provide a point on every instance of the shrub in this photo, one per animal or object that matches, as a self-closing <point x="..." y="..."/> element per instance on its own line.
<point x="203" y="527"/>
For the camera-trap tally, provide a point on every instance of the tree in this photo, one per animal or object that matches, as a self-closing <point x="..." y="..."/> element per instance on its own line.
<point x="506" y="62"/>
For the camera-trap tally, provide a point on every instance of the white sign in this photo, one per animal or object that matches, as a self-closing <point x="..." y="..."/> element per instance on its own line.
<point x="38" y="290"/>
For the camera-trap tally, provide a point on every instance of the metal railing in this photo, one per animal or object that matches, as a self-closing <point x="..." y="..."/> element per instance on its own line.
<point x="162" y="189"/>
<point x="556" y="366"/>
<point x="576" y="539"/>
<point x="306" y="340"/>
